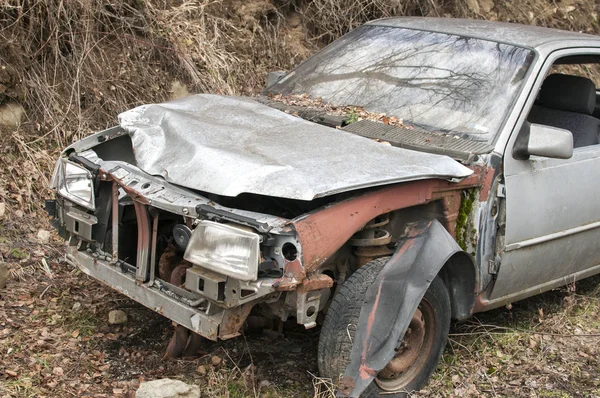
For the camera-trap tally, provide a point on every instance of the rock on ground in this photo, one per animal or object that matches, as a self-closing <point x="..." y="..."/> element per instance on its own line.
<point x="43" y="236"/>
<point x="117" y="317"/>
<point x="11" y="114"/>
<point x="216" y="361"/>
<point x="167" y="388"/>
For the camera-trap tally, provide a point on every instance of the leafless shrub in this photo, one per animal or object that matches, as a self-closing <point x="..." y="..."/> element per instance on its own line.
<point x="78" y="63"/>
<point x="329" y="19"/>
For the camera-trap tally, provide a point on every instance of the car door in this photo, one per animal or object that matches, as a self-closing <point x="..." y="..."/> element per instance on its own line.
<point x="552" y="216"/>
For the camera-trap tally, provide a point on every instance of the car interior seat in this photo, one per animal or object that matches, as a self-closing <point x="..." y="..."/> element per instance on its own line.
<point x="568" y="102"/>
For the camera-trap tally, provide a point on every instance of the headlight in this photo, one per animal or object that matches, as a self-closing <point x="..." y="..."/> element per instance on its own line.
<point x="225" y="249"/>
<point x="75" y="183"/>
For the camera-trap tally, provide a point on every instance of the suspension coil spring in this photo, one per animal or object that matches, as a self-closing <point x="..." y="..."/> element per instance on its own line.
<point x="372" y="241"/>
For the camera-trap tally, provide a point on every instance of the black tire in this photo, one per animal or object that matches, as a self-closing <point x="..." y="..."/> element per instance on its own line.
<point x="335" y="344"/>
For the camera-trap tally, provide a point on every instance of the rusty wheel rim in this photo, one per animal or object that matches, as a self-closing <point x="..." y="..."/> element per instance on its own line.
<point x="413" y="352"/>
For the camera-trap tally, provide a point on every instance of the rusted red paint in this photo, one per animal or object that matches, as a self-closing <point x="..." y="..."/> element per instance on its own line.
<point x="486" y="176"/>
<point x="144" y="232"/>
<point x="482" y="300"/>
<point x="140" y="204"/>
<point x="322" y="233"/>
<point x="177" y="343"/>
<point x="115" y="222"/>
<point x="195" y="343"/>
<point x="294" y="273"/>
<point x="315" y="282"/>
<point x="346" y="385"/>
<point x="365" y="254"/>
<point x="412" y="232"/>
<point x="153" y="248"/>
<point x="365" y="372"/>
<point x="135" y="195"/>
<point x="177" y="277"/>
<point x="451" y="202"/>
<point x="233" y="320"/>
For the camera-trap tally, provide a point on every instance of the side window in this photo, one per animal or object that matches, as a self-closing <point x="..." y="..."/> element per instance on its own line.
<point x="568" y="99"/>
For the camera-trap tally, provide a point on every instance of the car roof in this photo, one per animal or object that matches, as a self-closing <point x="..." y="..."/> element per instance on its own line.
<point x="504" y="32"/>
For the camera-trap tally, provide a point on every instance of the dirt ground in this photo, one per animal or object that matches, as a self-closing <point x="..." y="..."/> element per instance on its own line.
<point x="55" y="340"/>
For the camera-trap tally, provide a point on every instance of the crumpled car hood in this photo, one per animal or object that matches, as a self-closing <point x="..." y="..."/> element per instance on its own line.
<point x="232" y="145"/>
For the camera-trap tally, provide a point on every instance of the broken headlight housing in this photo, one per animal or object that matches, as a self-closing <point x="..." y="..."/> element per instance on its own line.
<point x="75" y="183"/>
<point x="224" y="249"/>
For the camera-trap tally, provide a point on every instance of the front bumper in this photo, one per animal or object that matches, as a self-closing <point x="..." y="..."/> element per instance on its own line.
<point x="211" y="304"/>
<point x="210" y="321"/>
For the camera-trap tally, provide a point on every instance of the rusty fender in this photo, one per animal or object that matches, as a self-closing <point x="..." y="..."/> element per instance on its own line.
<point x="324" y="231"/>
<point x="384" y="317"/>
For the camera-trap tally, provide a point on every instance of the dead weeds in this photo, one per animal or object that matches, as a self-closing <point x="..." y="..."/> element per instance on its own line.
<point x="546" y="346"/>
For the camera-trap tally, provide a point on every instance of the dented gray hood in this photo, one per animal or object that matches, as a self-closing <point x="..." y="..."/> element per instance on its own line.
<point x="233" y="145"/>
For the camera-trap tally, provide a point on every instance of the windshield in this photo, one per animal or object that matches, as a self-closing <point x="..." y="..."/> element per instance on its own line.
<point x="436" y="81"/>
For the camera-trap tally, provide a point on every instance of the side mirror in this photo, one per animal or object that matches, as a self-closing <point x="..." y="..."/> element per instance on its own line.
<point x="546" y="141"/>
<point x="274" y="77"/>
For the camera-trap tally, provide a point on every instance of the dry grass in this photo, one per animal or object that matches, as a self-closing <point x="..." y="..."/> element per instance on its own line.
<point x="546" y="346"/>
<point x="75" y="64"/>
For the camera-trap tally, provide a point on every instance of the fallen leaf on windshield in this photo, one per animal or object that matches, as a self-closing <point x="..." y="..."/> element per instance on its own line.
<point x="355" y="113"/>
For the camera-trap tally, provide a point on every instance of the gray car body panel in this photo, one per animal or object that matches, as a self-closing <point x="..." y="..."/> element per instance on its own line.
<point x="384" y="317"/>
<point x="502" y="32"/>
<point x="233" y="145"/>
<point x="552" y="218"/>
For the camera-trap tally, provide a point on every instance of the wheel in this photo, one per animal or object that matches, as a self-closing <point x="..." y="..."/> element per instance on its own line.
<point x="419" y="351"/>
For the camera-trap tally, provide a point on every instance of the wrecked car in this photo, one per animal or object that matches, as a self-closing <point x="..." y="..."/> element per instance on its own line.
<point x="413" y="172"/>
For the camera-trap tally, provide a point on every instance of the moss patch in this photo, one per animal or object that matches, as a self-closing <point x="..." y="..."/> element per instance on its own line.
<point x="352" y="117"/>
<point x="466" y="208"/>
<point x="18" y="253"/>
